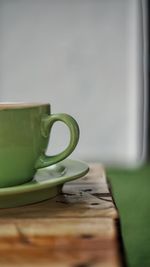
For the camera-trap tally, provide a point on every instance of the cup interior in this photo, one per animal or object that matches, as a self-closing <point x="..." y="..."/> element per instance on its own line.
<point x="17" y="105"/>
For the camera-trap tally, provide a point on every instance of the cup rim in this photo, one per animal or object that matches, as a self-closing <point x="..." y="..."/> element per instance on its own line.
<point x="21" y="105"/>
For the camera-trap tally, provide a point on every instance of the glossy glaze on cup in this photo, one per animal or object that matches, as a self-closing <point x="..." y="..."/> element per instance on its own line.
<point x="24" y="136"/>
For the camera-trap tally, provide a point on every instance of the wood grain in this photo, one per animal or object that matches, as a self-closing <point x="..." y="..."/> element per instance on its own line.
<point x="75" y="229"/>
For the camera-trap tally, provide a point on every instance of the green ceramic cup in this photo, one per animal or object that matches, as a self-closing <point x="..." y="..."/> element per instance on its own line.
<point x="24" y="136"/>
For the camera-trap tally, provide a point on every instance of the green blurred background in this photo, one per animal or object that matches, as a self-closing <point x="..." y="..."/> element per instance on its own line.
<point x="131" y="191"/>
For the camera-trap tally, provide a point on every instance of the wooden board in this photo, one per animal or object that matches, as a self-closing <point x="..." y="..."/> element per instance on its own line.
<point x="75" y="229"/>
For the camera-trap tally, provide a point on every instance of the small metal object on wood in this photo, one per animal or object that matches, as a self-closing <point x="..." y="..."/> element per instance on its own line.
<point x="75" y="229"/>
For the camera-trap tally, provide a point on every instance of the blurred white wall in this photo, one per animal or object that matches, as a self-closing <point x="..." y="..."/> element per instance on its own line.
<point x="85" y="57"/>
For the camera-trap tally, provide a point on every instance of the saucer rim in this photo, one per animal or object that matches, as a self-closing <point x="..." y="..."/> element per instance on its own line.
<point x="57" y="181"/>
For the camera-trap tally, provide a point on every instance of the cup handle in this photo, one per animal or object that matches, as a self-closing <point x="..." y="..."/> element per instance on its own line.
<point x="47" y="123"/>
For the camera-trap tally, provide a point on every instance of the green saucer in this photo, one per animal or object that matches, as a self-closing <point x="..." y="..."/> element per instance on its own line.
<point x="46" y="184"/>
